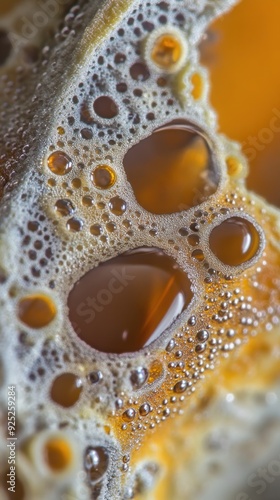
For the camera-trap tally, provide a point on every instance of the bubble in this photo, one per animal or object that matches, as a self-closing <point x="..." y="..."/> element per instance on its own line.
<point x="95" y="377"/>
<point x="66" y="389"/>
<point x="74" y="225"/>
<point x="96" y="230"/>
<point x="180" y="386"/>
<point x="59" y="163"/>
<point x="171" y="170"/>
<point x="144" y="409"/>
<point x="167" y="49"/>
<point x="138" y="377"/>
<point x="235" y="241"/>
<point x="64" y="207"/>
<point x="128" y="415"/>
<point x="144" y="284"/>
<point x="96" y="463"/>
<point x="103" y="177"/>
<point x="105" y="107"/>
<point x="36" y="311"/>
<point x="202" y="335"/>
<point x="117" y="205"/>
<point x="139" y="72"/>
<point x="198" y="255"/>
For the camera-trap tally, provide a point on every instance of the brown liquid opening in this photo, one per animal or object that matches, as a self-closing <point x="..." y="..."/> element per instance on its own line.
<point x="171" y="170"/>
<point x="234" y="241"/>
<point x="126" y="302"/>
<point x="66" y="389"/>
<point x="105" y="107"/>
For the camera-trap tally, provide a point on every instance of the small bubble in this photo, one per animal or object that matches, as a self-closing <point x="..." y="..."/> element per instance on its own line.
<point x="180" y="386"/>
<point x="95" y="377"/>
<point x="129" y="415"/>
<point x="138" y="377"/>
<point x="202" y="335"/>
<point x="64" y="207"/>
<point x="96" y="230"/>
<point x="96" y="463"/>
<point x="144" y="409"/>
<point x="59" y="163"/>
<point x="117" y="205"/>
<point x="103" y="177"/>
<point x="105" y="107"/>
<point x="139" y="72"/>
<point x="74" y="225"/>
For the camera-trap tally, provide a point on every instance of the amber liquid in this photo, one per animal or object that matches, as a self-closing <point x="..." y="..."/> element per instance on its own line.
<point x="127" y="302"/>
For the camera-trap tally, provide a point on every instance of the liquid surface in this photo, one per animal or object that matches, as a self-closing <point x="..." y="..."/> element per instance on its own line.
<point x="36" y="311"/>
<point x="170" y="170"/>
<point x="249" y="112"/>
<point x="127" y="302"/>
<point x="234" y="241"/>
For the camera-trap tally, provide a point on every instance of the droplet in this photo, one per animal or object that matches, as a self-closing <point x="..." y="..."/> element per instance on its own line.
<point x="180" y="386"/>
<point x="66" y="389"/>
<point x="199" y="348"/>
<point x="36" y="311"/>
<point x="235" y="241"/>
<point x="105" y="107"/>
<point x="64" y="207"/>
<point x="59" y="163"/>
<point x="138" y="377"/>
<point x="117" y="205"/>
<point x="96" y="463"/>
<point x="172" y="169"/>
<point x="128" y="415"/>
<point x="125" y="303"/>
<point x="144" y="409"/>
<point x="103" y="177"/>
<point x="202" y="335"/>
<point x="58" y="454"/>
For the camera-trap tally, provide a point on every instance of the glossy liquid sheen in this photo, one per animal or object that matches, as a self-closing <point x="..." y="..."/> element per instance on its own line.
<point x="234" y="241"/>
<point x="127" y="302"/>
<point x="171" y="170"/>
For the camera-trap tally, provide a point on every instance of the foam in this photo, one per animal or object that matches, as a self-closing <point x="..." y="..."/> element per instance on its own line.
<point x="38" y="253"/>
